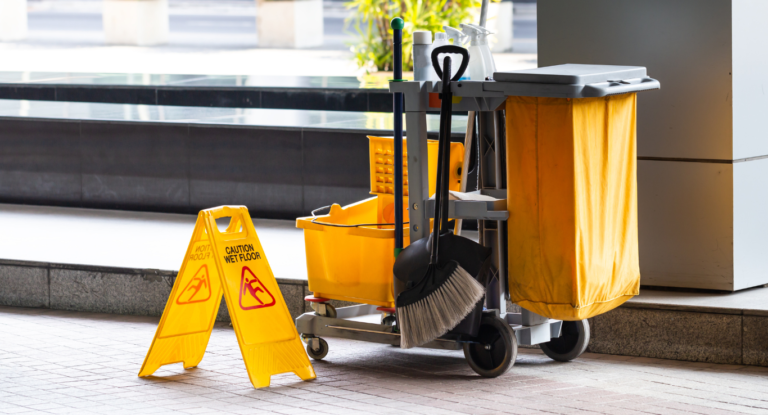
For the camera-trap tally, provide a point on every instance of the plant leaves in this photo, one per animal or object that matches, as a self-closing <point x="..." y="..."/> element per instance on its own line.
<point x="373" y="48"/>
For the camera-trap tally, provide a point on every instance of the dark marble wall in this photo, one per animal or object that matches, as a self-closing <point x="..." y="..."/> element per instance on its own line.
<point x="326" y="99"/>
<point x="174" y="167"/>
<point x="40" y="161"/>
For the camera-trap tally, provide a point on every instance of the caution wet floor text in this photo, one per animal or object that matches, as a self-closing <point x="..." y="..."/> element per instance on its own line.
<point x="229" y="263"/>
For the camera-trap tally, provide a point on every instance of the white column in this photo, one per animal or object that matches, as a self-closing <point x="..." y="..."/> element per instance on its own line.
<point x="701" y="139"/>
<point x="500" y="23"/>
<point x="135" y="22"/>
<point x="289" y="23"/>
<point x="13" y="20"/>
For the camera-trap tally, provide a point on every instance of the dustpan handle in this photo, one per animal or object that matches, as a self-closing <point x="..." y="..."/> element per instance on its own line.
<point x="445" y="166"/>
<point x="443" y="155"/>
<point x="458" y="50"/>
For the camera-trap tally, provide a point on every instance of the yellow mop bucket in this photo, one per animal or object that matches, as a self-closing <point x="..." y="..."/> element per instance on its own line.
<point x="349" y="254"/>
<point x="572" y="198"/>
<point x="351" y="263"/>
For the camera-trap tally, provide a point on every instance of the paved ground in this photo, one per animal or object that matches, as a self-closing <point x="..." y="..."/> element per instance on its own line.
<point x="65" y="362"/>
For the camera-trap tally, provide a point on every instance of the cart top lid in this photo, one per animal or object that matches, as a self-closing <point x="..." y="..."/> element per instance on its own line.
<point x="572" y="73"/>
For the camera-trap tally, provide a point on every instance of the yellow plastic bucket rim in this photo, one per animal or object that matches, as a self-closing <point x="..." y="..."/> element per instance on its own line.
<point x="364" y="231"/>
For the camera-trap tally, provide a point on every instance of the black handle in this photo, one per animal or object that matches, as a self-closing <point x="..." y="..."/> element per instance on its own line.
<point x="443" y="159"/>
<point x="450" y="49"/>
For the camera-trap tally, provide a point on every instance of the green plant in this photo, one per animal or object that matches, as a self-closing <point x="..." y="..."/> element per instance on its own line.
<point x="373" y="50"/>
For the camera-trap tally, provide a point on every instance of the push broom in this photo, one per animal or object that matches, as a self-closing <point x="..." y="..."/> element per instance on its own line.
<point x="441" y="271"/>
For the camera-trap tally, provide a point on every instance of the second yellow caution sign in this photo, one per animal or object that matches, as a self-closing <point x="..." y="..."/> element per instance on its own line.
<point x="232" y="261"/>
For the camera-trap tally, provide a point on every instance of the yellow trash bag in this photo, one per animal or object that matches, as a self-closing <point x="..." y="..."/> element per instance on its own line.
<point x="572" y="198"/>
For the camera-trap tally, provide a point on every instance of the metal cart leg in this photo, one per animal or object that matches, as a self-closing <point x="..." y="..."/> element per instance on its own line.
<point x="418" y="171"/>
<point x="492" y="175"/>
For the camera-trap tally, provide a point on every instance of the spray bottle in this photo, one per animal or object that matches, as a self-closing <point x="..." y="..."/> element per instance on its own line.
<point x="482" y="66"/>
<point x="459" y="38"/>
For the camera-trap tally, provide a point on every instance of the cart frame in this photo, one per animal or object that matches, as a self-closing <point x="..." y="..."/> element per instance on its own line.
<point x="485" y="101"/>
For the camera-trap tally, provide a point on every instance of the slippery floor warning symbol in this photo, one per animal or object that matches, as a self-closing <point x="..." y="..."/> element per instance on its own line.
<point x="231" y="262"/>
<point x="253" y="294"/>
<point x="198" y="289"/>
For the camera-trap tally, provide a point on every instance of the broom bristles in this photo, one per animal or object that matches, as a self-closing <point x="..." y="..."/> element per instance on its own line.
<point x="439" y="312"/>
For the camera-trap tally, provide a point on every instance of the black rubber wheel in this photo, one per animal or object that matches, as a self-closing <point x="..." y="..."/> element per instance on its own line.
<point x="388" y="320"/>
<point x="321" y="352"/>
<point x="494" y="350"/>
<point x="573" y="340"/>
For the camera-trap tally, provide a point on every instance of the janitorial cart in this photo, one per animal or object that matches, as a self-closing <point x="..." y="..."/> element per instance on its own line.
<point x="556" y="203"/>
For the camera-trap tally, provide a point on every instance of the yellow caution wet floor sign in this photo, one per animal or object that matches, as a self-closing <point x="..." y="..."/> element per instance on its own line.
<point x="232" y="261"/>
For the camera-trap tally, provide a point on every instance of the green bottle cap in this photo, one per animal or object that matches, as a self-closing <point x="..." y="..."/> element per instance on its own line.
<point x="397" y="23"/>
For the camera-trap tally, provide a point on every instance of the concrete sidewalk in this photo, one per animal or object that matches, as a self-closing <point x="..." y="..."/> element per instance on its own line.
<point x="80" y="363"/>
<point x="139" y="240"/>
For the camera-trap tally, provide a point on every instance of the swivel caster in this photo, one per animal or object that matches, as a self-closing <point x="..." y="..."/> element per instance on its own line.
<point x="493" y="352"/>
<point x="317" y="348"/>
<point x="573" y="341"/>
<point x="321" y="306"/>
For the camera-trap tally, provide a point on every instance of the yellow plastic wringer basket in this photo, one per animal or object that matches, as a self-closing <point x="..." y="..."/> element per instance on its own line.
<point x="354" y="263"/>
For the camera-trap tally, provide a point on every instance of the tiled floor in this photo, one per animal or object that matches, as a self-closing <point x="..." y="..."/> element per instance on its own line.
<point x="66" y="362"/>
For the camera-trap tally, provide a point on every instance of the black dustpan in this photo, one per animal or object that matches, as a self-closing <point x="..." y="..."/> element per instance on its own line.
<point x="473" y="257"/>
<point x="436" y="278"/>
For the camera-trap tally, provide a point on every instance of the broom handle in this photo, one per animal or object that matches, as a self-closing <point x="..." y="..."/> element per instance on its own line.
<point x="443" y="148"/>
<point x="446" y="163"/>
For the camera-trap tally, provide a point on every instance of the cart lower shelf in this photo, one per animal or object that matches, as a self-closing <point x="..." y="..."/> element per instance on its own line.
<point x="490" y="354"/>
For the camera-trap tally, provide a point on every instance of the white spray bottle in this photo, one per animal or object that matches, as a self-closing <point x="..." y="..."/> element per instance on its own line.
<point x="483" y="66"/>
<point x="459" y="39"/>
<point x="441" y="39"/>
